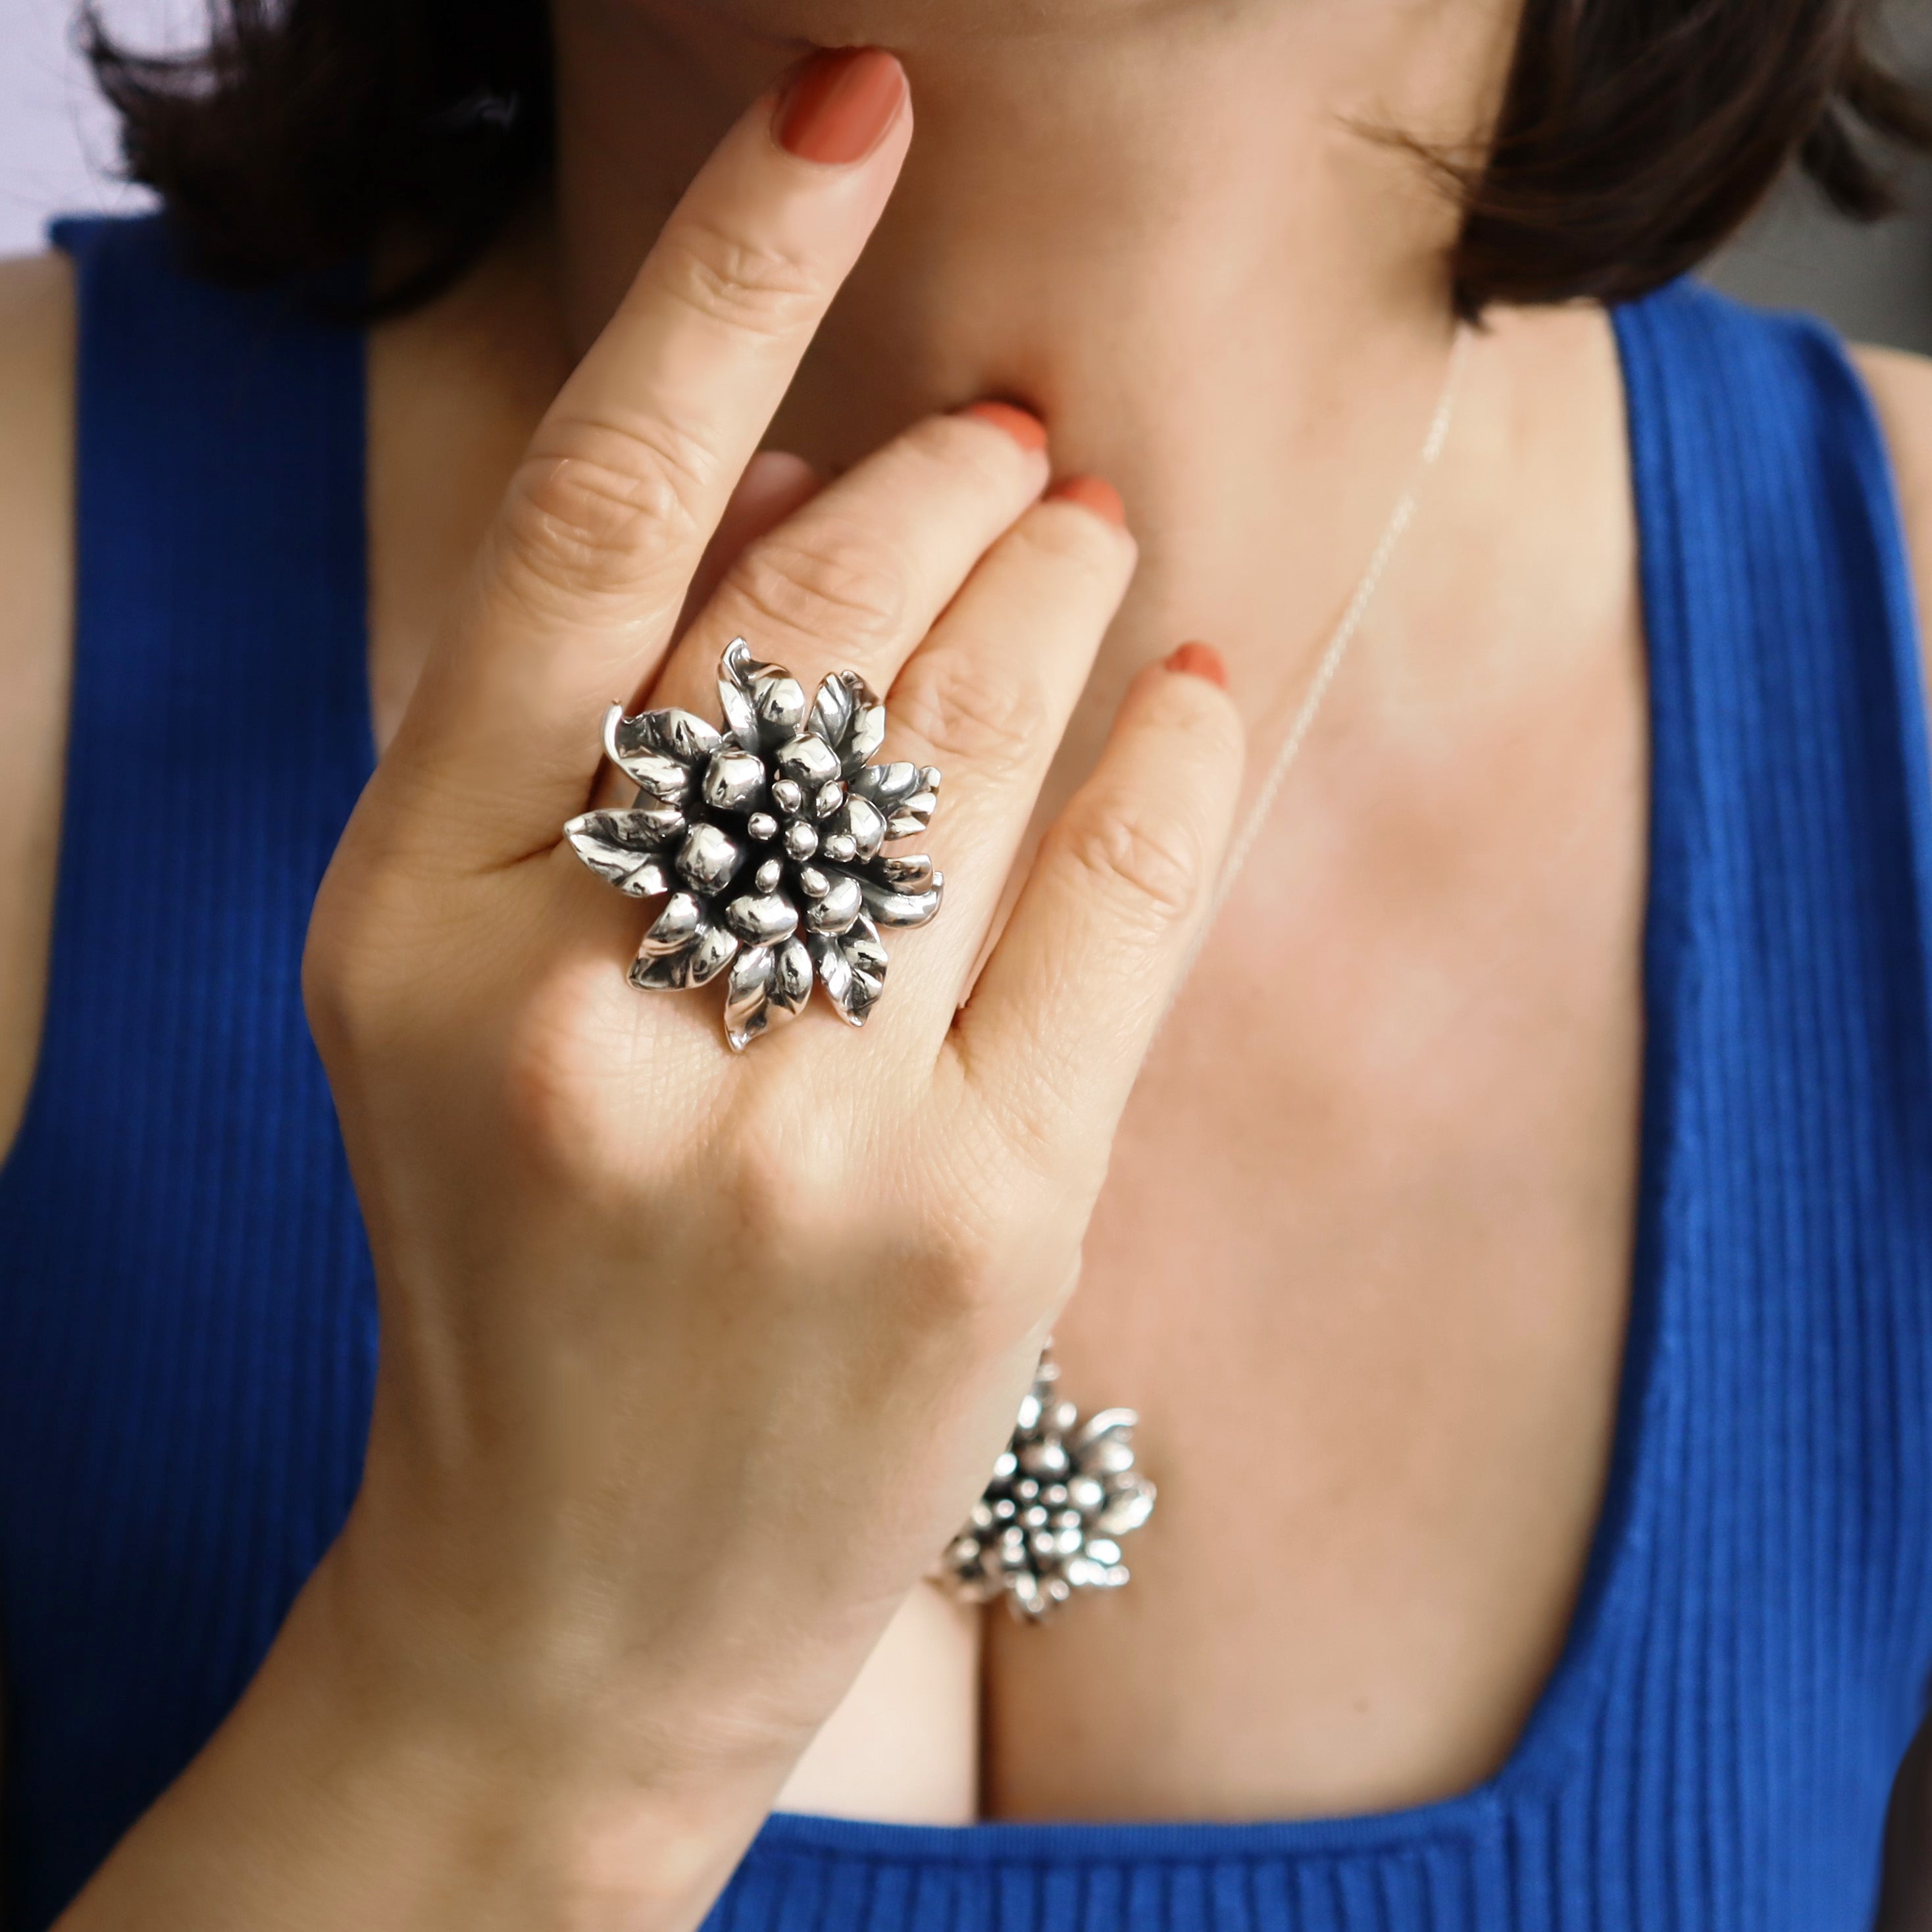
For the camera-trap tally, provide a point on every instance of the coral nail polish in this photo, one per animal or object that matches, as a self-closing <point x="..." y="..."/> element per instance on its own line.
<point x="1025" y="429"/>
<point x="1092" y="493"/>
<point x="1198" y="660"/>
<point x="836" y="108"/>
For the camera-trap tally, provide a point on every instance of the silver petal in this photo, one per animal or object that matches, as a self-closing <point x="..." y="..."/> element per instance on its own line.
<point x="860" y="945"/>
<point x="760" y="918"/>
<point x="1106" y="1422"/>
<point x="707" y="956"/>
<point x="707" y="858"/>
<point x="779" y="699"/>
<point x="867" y="734"/>
<point x="732" y="778"/>
<point x="832" y="705"/>
<point x="714" y="950"/>
<point x="631" y="745"/>
<point x="627" y="848"/>
<point x="911" y="873"/>
<point x="741" y="718"/>
<point x="1129" y="1510"/>
<point x="863" y="822"/>
<point x="683" y="736"/>
<point x="1111" y="1456"/>
<point x="791" y="978"/>
<point x="676" y="927"/>
<point x="886" y="785"/>
<point x="914" y="813"/>
<point x="841" y="905"/>
<point x="807" y="759"/>
<point x="736" y="669"/>
<point x="866" y="988"/>
<point x="746" y="997"/>
<point x="888" y="908"/>
<point x="740" y="676"/>
<point x="835" y="976"/>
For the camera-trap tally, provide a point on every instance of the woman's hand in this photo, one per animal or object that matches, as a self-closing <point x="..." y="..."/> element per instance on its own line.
<point x="693" y="1361"/>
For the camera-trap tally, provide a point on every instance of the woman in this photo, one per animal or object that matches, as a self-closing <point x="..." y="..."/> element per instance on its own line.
<point x="1509" y="1209"/>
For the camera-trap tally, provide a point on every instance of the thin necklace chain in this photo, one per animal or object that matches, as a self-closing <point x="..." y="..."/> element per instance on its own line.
<point x="1350" y="621"/>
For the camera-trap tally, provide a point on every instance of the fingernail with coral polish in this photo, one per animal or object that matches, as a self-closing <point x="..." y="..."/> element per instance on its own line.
<point x="1093" y="493"/>
<point x="1025" y="429"/>
<point x="836" y="108"/>
<point x="1199" y="661"/>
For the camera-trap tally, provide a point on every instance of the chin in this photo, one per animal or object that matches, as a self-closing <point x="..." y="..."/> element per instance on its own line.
<point x="903" y="24"/>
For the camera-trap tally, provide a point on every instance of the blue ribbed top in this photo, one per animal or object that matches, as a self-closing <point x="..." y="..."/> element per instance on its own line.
<point x="186" y="1320"/>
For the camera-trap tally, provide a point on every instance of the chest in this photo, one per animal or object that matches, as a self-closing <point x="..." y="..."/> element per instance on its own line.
<point x="1363" y="1265"/>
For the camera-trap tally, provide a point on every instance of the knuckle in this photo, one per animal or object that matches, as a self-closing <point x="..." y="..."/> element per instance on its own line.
<point x="604" y="509"/>
<point x="348" y="980"/>
<point x="1151" y="870"/>
<point x="742" y="285"/>
<point x="991" y="723"/>
<point x="789" y="1186"/>
<point x="839" y="590"/>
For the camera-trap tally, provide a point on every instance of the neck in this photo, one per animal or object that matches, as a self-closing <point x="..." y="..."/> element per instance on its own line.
<point x="1177" y="232"/>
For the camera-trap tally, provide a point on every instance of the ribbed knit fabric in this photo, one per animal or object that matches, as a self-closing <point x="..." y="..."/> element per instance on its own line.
<point x="186" y="1322"/>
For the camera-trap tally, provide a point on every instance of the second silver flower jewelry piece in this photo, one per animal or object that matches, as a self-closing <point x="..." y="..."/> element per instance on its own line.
<point x="1062" y="1493"/>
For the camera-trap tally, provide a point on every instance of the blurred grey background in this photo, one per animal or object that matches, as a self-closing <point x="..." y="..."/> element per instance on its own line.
<point x="57" y="152"/>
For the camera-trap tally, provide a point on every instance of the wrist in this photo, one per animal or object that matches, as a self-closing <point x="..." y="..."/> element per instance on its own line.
<point x="514" y="1797"/>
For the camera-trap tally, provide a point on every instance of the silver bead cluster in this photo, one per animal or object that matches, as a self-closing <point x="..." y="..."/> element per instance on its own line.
<point x="1062" y="1494"/>
<point x="766" y="836"/>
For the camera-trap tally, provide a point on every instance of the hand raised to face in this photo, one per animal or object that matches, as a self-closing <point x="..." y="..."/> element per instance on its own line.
<point x="692" y="1360"/>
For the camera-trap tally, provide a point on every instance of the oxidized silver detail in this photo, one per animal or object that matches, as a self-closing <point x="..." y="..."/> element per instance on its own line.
<point x="766" y="835"/>
<point x="1063" y="1493"/>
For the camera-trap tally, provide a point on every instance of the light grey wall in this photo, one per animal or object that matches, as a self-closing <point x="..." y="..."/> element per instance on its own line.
<point x="56" y="139"/>
<point x="1874" y="283"/>
<point x="57" y="152"/>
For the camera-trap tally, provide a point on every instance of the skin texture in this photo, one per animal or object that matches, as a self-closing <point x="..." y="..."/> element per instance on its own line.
<point x="1361" y="1255"/>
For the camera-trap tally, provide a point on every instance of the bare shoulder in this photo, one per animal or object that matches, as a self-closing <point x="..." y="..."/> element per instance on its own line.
<point x="1901" y="392"/>
<point x="36" y="568"/>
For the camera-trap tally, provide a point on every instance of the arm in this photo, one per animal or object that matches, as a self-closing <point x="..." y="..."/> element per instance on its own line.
<point x="36" y="564"/>
<point x="1901" y="392"/>
<point x="36" y="487"/>
<point x="1901" y="389"/>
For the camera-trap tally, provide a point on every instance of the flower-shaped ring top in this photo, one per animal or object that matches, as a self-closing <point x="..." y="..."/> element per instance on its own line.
<point x="766" y="836"/>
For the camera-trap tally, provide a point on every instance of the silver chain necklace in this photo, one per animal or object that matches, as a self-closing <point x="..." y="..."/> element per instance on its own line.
<point x="1063" y="1492"/>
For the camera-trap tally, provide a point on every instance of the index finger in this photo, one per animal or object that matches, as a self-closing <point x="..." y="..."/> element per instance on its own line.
<point x="582" y="578"/>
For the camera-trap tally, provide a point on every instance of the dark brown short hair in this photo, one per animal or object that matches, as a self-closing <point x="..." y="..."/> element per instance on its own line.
<point x="1634" y="135"/>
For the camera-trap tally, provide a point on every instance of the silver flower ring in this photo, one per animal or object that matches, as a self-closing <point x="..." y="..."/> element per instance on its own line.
<point x="766" y="836"/>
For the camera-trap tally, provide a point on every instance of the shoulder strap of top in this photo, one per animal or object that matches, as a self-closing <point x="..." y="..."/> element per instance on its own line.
<point x="1792" y="905"/>
<point x="220" y="546"/>
<point x="1787" y="685"/>
<point x="218" y="730"/>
